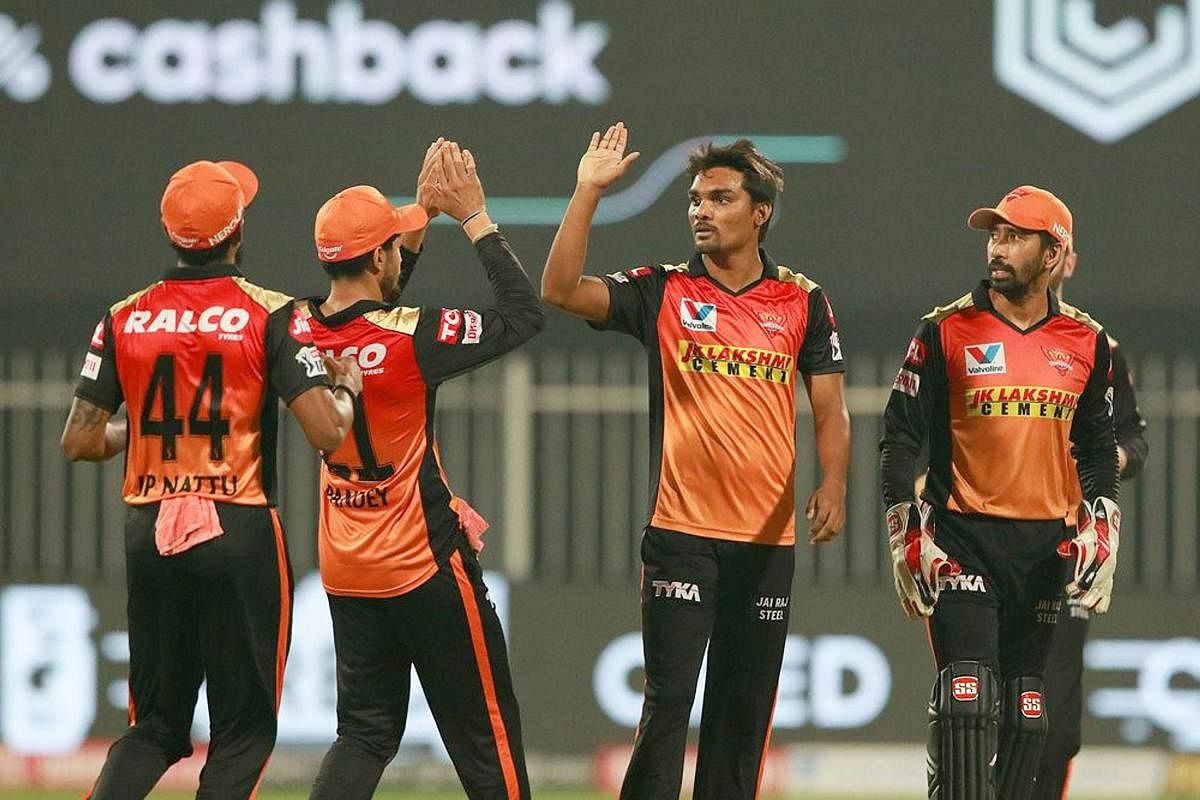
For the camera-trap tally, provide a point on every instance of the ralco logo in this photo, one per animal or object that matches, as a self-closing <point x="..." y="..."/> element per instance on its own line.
<point x="965" y="687"/>
<point x="1031" y="705"/>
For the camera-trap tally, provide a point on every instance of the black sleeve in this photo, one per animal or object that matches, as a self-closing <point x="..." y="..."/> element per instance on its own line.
<point x="1094" y="443"/>
<point x="634" y="300"/>
<point x="451" y="341"/>
<point x="910" y="407"/>
<point x="1127" y="418"/>
<point x="98" y="383"/>
<point x="408" y="263"/>
<point x="821" y="352"/>
<point x="293" y="364"/>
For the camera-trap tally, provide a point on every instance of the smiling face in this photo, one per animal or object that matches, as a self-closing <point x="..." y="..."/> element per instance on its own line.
<point x="722" y="215"/>
<point x="1019" y="263"/>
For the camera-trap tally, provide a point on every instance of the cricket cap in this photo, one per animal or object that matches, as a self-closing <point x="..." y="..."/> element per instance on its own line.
<point x="204" y="202"/>
<point x="359" y="219"/>
<point x="1030" y="208"/>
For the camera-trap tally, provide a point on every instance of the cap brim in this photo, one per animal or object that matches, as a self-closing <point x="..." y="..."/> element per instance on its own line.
<point x="245" y="177"/>
<point x="982" y="219"/>
<point x="410" y="218"/>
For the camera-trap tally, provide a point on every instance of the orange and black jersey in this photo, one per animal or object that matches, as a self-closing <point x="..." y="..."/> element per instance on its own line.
<point x="1002" y="409"/>
<point x="200" y="358"/>
<point x="387" y="516"/>
<point x="723" y="369"/>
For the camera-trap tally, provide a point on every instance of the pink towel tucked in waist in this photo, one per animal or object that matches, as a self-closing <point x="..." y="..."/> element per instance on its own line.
<point x="471" y="522"/>
<point x="184" y="522"/>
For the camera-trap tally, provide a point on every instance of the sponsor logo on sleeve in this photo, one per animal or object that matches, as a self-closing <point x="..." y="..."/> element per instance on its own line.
<point x="98" y="336"/>
<point x="965" y="688"/>
<point x="300" y="330"/>
<point x="835" y="346"/>
<point x="472" y="327"/>
<point x="1031" y="705"/>
<point x="916" y="352"/>
<point x="697" y="316"/>
<point x="91" y="366"/>
<point x="907" y="382"/>
<point x="985" y="359"/>
<point x="310" y="358"/>
<point x="619" y="277"/>
<point x="449" y="325"/>
<point x="829" y="311"/>
<point x="639" y="272"/>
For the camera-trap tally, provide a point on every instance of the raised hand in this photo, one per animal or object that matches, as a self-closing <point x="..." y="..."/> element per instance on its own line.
<point x="429" y="175"/>
<point x="605" y="160"/>
<point x="459" y="192"/>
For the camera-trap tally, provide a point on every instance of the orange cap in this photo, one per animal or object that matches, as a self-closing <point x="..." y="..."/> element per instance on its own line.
<point x="359" y="219"/>
<point x="1030" y="208"/>
<point x="204" y="202"/>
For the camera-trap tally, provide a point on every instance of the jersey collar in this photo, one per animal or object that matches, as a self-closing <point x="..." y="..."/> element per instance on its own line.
<point x="696" y="269"/>
<point x="983" y="302"/>
<point x="347" y="314"/>
<point x="216" y="270"/>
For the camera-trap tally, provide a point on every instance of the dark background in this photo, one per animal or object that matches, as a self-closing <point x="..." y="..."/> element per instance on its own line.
<point x="909" y="86"/>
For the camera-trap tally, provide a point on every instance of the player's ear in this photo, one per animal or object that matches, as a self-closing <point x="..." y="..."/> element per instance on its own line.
<point x="763" y="213"/>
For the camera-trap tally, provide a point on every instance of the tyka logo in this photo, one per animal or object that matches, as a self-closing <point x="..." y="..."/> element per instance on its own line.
<point x="1106" y="81"/>
<point x="677" y="590"/>
<point x="697" y="316"/>
<point x="985" y="359"/>
<point x="24" y="72"/>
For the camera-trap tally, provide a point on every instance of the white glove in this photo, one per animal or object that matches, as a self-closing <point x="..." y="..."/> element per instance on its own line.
<point x="917" y="563"/>
<point x="1094" y="550"/>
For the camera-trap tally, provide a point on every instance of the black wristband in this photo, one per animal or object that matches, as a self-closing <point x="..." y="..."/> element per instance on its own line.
<point x="470" y="217"/>
<point x="346" y="389"/>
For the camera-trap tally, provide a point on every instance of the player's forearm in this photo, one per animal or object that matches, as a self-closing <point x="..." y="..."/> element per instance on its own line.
<point x="564" y="264"/>
<point x="516" y="301"/>
<point x="832" y="429"/>
<point x="115" y="438"/>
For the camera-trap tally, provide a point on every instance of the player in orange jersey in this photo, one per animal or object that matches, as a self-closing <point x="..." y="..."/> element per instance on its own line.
<point x="398" y="548"/>
<point x="729" y="334"/>
<point x="201" y="360"/>
<point x="1004" y="384"/>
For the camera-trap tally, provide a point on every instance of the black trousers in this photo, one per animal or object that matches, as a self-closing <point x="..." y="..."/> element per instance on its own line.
<point x="733" y="598"/>
<point x="1064" y="703"/>
<point x="448" y="629"/>
<point x="220" y="611"/>
<point x="1003" y="607"/>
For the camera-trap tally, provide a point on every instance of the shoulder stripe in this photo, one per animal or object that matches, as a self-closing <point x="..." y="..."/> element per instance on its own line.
<point x="675" y="267"/>
<point x="1113" y="344"/>
<point x="271" y="300"/>
<point x="1079" y="316"/>
<point x="939" y="313"/>
<point x="302" y="307"/>
<point x="402" y="319"/>
<point x="117" y="306"/>
<point x="787" y="276"/>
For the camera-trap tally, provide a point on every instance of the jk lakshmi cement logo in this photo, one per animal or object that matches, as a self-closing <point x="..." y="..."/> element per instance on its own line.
<point x="1106" y="81"/>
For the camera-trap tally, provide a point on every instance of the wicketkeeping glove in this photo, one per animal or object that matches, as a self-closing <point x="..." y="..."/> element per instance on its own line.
<point x="1094" y="550"/>
<point x="917" y="563"/>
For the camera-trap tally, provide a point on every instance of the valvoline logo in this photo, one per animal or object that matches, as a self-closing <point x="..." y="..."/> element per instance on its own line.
<point x="985" y="359"/>
<point x="697" y="316"/>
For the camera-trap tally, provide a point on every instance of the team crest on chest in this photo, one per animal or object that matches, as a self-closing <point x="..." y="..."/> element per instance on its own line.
<point x="698" y="316"/>
<point x="772" y="321"/>
<point x="985" y="359"/>
<point x="1060" y="359"/>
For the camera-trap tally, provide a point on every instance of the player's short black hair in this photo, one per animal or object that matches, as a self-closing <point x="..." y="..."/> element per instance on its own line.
<point x="1048" y="240"/>
<point x="761" y="177"/>
<point x="198" y="258"/>
<point x="353" y="267"/>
